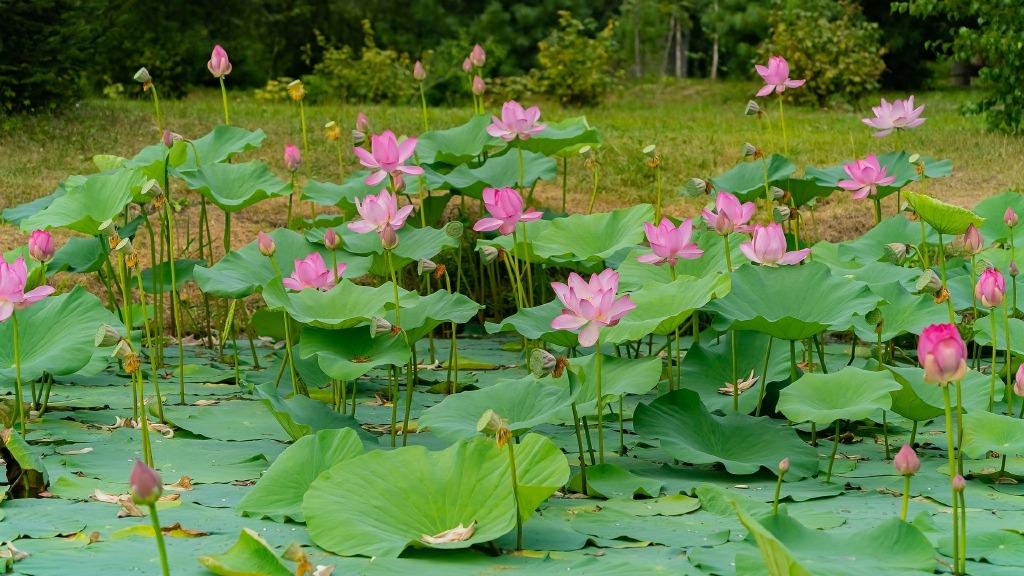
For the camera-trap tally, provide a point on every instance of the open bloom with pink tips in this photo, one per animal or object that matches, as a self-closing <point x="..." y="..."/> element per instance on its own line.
<point x="670" y="243"/>
<point x="895" y="115"/>
<point x="381" y="214"/>
<point x="865" y="176"/>
<point x="768" y="247"/>
<point x="219" y="64"/>
<point x="942" y="353"/>
<point x="387" y="157"/>
<point x="729" y="215"/>
<point x="589" y="306"/>
<point x="13" y="277"/>
<point x="505" y="206"/>
<point x="515" y="122"/>
<point x="776" y="76"/>
<point x="312" y="272"/>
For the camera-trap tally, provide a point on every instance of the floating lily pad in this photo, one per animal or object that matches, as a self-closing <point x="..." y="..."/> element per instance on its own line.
<point x="850" y="394"/>
<point x="250" y="555"/>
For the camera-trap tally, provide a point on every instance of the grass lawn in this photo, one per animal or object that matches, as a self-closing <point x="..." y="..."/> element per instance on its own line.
<point x="698" y="127"/>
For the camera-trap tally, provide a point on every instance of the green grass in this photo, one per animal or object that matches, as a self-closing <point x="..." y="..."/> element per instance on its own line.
<point x="698" y="127"/>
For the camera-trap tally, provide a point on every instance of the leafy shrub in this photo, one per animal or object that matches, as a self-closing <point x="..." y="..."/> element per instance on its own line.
<point x="575" y="63"/>
<point x="830" y="44"/>
<point x="374" y="75"/>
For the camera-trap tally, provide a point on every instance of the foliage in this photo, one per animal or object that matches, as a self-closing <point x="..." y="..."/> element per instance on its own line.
<point x="575" y="61"/>
<point x="372" y="75"/>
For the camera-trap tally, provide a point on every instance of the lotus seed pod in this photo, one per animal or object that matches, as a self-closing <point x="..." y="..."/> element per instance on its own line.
<point x="106" y="336"/>
<point x="379" y="325"/>
<point x="358" y="137"/>
<point x="752" y="109"/>
<point x="488" y="254"/>
<point x="896" y="252"/>
<point x="142" y="76"/>
<point x="696" y="187"/>
<point x="454" y="229"/>
<point x="1014" y="270"/>
<point x="781" y="214"/>
<point x="749" y="150"/>
<point x="425" y="266"/>
<point x="122" y="349"/>
<point x="332" y="131"/>
<point x="542" y="363"/>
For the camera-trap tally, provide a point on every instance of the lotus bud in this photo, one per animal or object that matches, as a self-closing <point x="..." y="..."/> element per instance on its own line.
<point x="479" y="87"/>
<point x="1018" y="381"/>
<point x="942" y="353"/>
<point x="783" y="466"/>
<point x="781" y="214"/>
<point x="491" y="424"/>
<point x="389" y="238"/>
<point x="219" y="64"/>
<point x="380" y="325"/>
<point x="418" y="72"/>
<point x="696" y="187"/>
<point x="425" y="266"/>
<point x="1010" y="217"/>
<point x="40" y="245"/>
<point x="959" y="484"/>
<point x="362" y="123"/>
<point x="122" y="349"/>
<point x="991" y="288"/>
<point x="973" y="242"/>
<point x="332" y="131"/>
<point x="106" y="336"/>
<point x="331" y="239"/>
<point x="542" y="362"/>
<point x="488" y="254"/>
<point x="454" y="229"/>
<point x="296" y="90"/>
<point x="753" y="109"/>
<point x="169" y="138"/>
<point x="142" y="76"/>
<point x="145" y="484"/>
<point x="292" y="157"/>
<point x="467" y="66"/>
<point x="896" y="252"/>
<point x="266" y="244"/>
<point x="1014" y="270"/>
<point x="906" y="461"/>
<point x="477" y="56"/>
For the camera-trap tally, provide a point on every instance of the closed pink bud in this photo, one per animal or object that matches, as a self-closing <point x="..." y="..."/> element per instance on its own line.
<point x="942" y="353"/>
<point x="40" y="245"/>
<point x="266" y="244"/>
<point x="1010" y="217"/>
<point x="1014" y="270"/>
<point x="170" y="138"/>
<point x="467" y="66"/>
<point x="478" y="86"/>
<point x="783" y="466"/>
<point x="477" y="56"/>
<point x="331" y="239"/>
<point x="219" y="65"/>
<point x="292" y="157"/>
<point x="972" y="240"/>
<point x="389" y="238"/>
<point x="418" y="72"/>
<point x="1018" y="381"/>
<point x="991" y="288"/>
<point x="906" y="461"/>
<point x="362" y="124"/>
<point x="145" y="484"/>
<point x="959" y="484"/>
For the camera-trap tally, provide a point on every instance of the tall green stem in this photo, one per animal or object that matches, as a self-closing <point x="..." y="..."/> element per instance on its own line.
<point x="158" y="533"/>
<point x="657" y="205"/>
<point x="952" y="474"/>
<point x="782" y="121"/>
<point x="992" y="380"/>
<point x="423" y="107"/>
<point x="19" y="404"/>
<point x="515" y="494"/>
<point x="1008" y="362"/>
<point x="156" y="105"/>
<point x="297" y="386"/>
<point x="832" y="456"/>
<point x="906" y="497"/>
<point x="224" y="100"/>
<point x="600" y="402"/>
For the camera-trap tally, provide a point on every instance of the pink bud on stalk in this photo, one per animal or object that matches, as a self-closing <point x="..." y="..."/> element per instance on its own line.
<point x="467" y="66"/>
<point x="942" y="353"/>
<point x="169" y="138"/>
<point x="906" y="461"/>
<point x="145" y="484"/>
<point x="973" y="242"/>
<point x="418" y="72"/>
<point x="219" y="64"/>
<point x="331" y="239"/>
<point x="292" y="157"/>
<point x="40" y="245"/>
<point x="478" y="86"/>
<point x="266" y="244"/>
<point x="959" y="484"/>
<point x="783" y="466"/>
<point x="1010" y="217"/>
<point x="991" y="288"/>
<point x="477" y="56"/>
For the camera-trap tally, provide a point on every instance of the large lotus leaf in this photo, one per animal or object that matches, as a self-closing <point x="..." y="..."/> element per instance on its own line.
<point x="992" y="209"/>
<point x="634" y="274"/>
<point x="870" y="246"/>
<point x="344" y="195"/>
<point x="15" y="214"/>
<point x="788" y="548"/>
<point x="803" y="191"/>
<point x="743" y="444"/>
<point x="708" y="367"/>
<point x="872" y="273"/>
<point x="535" y="324"/>
<point x="592" y="238"/>
<point x="99" y="198"/>
<point x="79" y="254"/>
<point x="243" y="271"/>
<point x="563" y="137"/>
<point x="850" y="394"/>
<point x="421" y="314"/>
<point x="248" y="556"/>
<point x="233" y="187"/>
<point x="217" y="146"/>
<point x="497" y="172"/>
<point x="347" y="305"/>
<point x="183" y="274"/>
<point x="945" y="218"/>
<point x="348" y="354"/>
<point x="426" y="493"/>
<point x="414" y="244"/>
<point x="1003" y="547"/>
<point x="301" y="415"/>
<point x="525" y="234"/>
<point x="278" y="493"/>
<point x="57" y="335"/>
<point x="457" y="145"/>
<point x="149" y="161"/>
<point x="619" y="376"/>
<point x="662" y="308"/>
<point x="747" y="179"/>
<point x="791" y="302"/>
<point x="983" y="332"/>
<point x="523" y="403"/>
<point x="896" y="164"/>
<point x="919" y="400"/>
<point x="985" y="431"/>
<point x="902" y="313"/>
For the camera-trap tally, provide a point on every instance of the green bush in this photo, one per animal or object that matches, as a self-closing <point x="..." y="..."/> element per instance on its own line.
<point x="831" y="45"/>
<point x="575" y="62"/>
<point x="374" y="75"/>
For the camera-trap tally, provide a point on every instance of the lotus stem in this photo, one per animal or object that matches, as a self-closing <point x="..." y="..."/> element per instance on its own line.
<point x="147" y="446"/>
<point x="175" y="299"/>
<point x="19" y="405"/>
<point x="565" y="184"/>
<point x="1008" y="363"/>
<point x="952" y="474"/>
<point x="157" y="530"/>
<point x="341" y="161"/>
<point x="579" y="445"/>
<point x="764" y="376"/>
<point x="229" y="323"/>
<point x="913" y="433"/>
<point x="906" y="497"/>
<point x="593" y="193"/>
<point x="515" y="494"/>
<point x="945" y="289"/>
<point x="297" y="386"/>
<point x="782" y="121"/>
<point x="600" y="402"/>
<point x="878" y="209"/>
<point x="423" y="107"/>
<point x="526" y="264"/>
<point x="224" y="100"/>
<point x="152" y="356"/>
<point x="963" y="533"/>
<point x="393" y="392"/>
<point x="735" y="376"/>
<point x="156" y="106"/>
<point x="885" y="435"/>
<point x="778" y="492"/>
<point x="453" y="354"/>
<point x="832" y="456"/>
<point x="923" y="251"/>
<point x="992" y="380"/>
<point x="410" y="381"/>
<point x="657" y="205"/>
<point x="291" y="198"/>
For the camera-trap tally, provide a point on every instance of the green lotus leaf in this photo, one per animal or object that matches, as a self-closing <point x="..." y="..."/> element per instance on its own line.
<point x="457" y="145"/>
<point x="998" y="547"/>
<point x="249" y="555"/>
<point x="78" y="254"/>
<point x="747" y="179"/>
<point x="992" y="209"/>
<point x="779" y="301"/>
<point x="421" y="314"/>
<point x="563" y="137"/>
<point x="920" y="400"/>
<point x="496" y="172"/>
<point x="57" y="335"/>
<point x="590" y="239"/>
<point x="183" y="273"/>
<point x="662" y="308"/>
<point x="902" y="313"/>
<point x="850" y="394"/>
<point x="985" y="431"/>
<point x="619" y="376"/>
<point x="743" y="444"/>
<point x="347" y="305"/>
<point x="15" y="214"/>
<point x="983" y="332"/>
<point x="350" y="353"/>
<point x="870" y="246"/>
<point x="523" y="240"/>
<point x="523" y="403"/>
<point x="302" y="415"/>
<point x="944" y="218"/>
<point x="414" y="244"/>
<point x="617" y="483"/>
<point x="100" y="197"/>
<point x="278" y="493"/>
<point x="708" y="367"/>
<point x="218" y="145"/>
<point x="535" y="324"/>
<point x="872" y="273"/>
<point x="233" y="187"/>
<point x="427" y="493"/>
<point x="804" y="191"/>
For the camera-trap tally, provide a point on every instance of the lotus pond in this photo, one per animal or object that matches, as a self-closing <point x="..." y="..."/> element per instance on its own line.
<point x="422" y="371"/>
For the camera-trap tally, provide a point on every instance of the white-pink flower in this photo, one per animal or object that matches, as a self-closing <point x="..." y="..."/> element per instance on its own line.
<point x="776" y="76"/>
<point x="381" y="214"/>
<point x="515" y="122"/>
<point x="865" y="176"/>
<point x="589" y="306"/>
<point x="312" y="272"/>
<point x="897" y="115"/>
<point x="13" y="278"/>
<point x="729" y="215"/>
<point x="505" y="206"/>
<point x="669" y="243"/>
<point x="387" y="157"/>
<point x="768" y="247"/>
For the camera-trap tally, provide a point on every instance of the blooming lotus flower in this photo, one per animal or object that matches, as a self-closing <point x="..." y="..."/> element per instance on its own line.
<point x="768" y="247"/>
<point x="265" y="244"/>
<point x="312" y="272"/>
<point x="478" y="86"/>
<point x="865" y="176"/>
<point x="991" y="288"/>
<point x="906" y="461"/>
<point x="418" y="72"/>
<point x="942" y="353"/>
<point x="219" y="65"/>
<point x="1010" y="217"/>
<point x="729" y="215"/>
<point x="776" y="76"/>
<point x="477" y="56"/>
<point x="292" y="157"/>
<point x="515" y="122"/>
<point x="505" y="206"/>
<point x="973" y="241"/>
<point x="13" y="277"/>
<point x="40" y="245"/>
<point x="897" y="115"/>
<point x="670" y="243"/>
<point x="588" y="306"/>
<point x="381" y="215"/>
<point x="387" y="155"/>
<point x="145" y="484"/>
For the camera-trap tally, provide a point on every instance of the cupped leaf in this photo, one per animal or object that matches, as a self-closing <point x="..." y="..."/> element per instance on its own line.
<point x="457" y="145"/>
<point x="301" y="415"/>
<point x="743" y="444"/>
<point x="99" y="197"/>
<point x="992" y="209"/>
<point x="347" y="305"/>
<point x="662" y="308"/>
<point x="218" y="145"/>
<point x="619" y="376"/>
<point x="350" y="353"/>
<point x="414" y="244"/>
<point x="497" y="172"/>
<point x="589" y="239"/>
<point x="985" y="431"/>
<point x="850" y="394"/>
<point x="749" y="179"/>
<point x="563" y="137"/>
<point x="944" y="218"/>
<point x="233" y="187"/>
<point x="421" y="314"/>
<point x="428" y="493"/>
<point x="249" y="555"/>
<point x="920" y="400"/>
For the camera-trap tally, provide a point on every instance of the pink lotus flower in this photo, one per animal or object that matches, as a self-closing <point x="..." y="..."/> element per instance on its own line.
<point x="292" y="157"/>
<point x="265" y="244"/>
<point x="991" y="288"/>
<point x="588" y="306"/>
<point x="768" y="247"/>
<point x="13" y="297"/>
<point x="145" y="484"/>
<point x="1018" y="381"/>
<point x="477" y="56"/>
<point x="515" y="122"/>
<point x="362" y="123"/>
<point x="467" y="66"/>
<point x="669" y="243"/>
<point x="729" y="215"/>
<point x="898" y="115"/>
<point x="906" y="461"/>
<point x="388" y="156"/>
<point x="40" y="245"/>
<point x="959" y="483"/>
<point x="776" y="76"/>
<point x="1010" y="217"/>
<point x="505" y="206"/>
<point x="973" y="242"/>
<point x="942" y="353"/>
<point x="865" y="177"/>
<point x="169" y="138"/>
<point x="219" y="65"/>
<point x="478" y="86"/>
<point x="312" y="272"/>
<point x="418" y="72"/>
<point x="381" y="215"/>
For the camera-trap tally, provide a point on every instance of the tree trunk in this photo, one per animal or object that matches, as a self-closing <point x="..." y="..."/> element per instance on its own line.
<point x="680" y="64"/>
<point x="638" y="59"/>
<point x="714" y="46"/>
<point x="683" y="53"/>
<point x="668" y="44"/>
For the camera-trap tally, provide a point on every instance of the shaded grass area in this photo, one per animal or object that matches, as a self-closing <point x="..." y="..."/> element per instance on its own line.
<point x="698" y="127"/>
